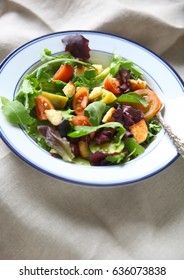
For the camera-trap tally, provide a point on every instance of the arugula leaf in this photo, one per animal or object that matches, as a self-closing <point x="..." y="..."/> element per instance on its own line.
<point x="90" y="73"/>
<point x="82" y="81"/>
<point x="15" y="112"/>
<point x="133" y="97"/>
<point x="98" y="80"/>
<point x="135" y="71"/>
<point x="59" y="61"/>
<point x="90" y="79"/>
<point x="27" y="92"/>
<point x="95" y="111"/>
<point x="44" y="79"/>
<point x="115" y="64"/>
<point x="46" y="55"/>
<point x="154" y="127"/>
<point x="85" y="130"/>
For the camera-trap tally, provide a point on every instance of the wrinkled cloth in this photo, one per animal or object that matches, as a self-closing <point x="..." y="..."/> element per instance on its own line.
<point x="44" y="218"/>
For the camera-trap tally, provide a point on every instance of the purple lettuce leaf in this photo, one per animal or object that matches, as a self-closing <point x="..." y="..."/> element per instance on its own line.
<point x="125" y="85"/>
<point x="54" y="141"/>
<point x="98" y="159"/>
<point x="77" y="45"/>
<point x="104" y="135"/>
<point x="127" y="115"/>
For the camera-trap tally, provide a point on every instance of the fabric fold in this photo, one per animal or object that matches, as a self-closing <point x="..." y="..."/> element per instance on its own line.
<point x="44" y="218"/>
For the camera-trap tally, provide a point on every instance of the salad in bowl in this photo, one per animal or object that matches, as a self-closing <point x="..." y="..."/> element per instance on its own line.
<point x="85" y="112"/>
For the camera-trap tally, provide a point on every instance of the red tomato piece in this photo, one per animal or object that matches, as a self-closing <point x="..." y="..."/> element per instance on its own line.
<point x="42" y="104"/>
<point x="80" y="100"/>
<point x="154" y="103"/>
<point x="64" y="73"/>
<point x="112" y="84"/>
<point x="81" y="120"/>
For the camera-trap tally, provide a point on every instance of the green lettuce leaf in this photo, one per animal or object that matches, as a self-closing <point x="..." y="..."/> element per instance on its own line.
<point x="116" y="159"/>
<point x="85" y="130"/>
<point x="133" y="97"/>
<point x="133" y="147"/>
<point x="94" y="111"/>
<point x="107" y="148"/>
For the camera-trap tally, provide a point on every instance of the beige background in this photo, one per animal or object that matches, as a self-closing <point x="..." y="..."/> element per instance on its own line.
<point x="42" y="218"/>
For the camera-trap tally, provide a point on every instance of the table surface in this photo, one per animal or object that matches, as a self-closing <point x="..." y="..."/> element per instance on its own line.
<point x="43" y="218"/>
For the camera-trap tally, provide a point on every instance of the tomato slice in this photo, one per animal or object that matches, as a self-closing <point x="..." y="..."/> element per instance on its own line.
<point x="154" y="103"/>
<point x="64" y="73"/>
<point x="112" y="84"/>
<point x="42" y="104"/>
<point x="80" y="100"/>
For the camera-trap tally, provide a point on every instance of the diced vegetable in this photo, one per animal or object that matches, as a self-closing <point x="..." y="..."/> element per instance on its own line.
<point x="107" y="96"/>
<point x="95" y="93"/>
<point x="57" y="101"/>
<point x="69" y="89"/>
<point x="54" y="116"/>
<point x="99" y="93"/>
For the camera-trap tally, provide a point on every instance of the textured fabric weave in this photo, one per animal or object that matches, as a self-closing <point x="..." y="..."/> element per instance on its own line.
<point x="43" y="218"/>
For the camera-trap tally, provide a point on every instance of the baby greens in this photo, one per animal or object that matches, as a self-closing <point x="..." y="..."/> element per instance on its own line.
<point x="100" y="116"/>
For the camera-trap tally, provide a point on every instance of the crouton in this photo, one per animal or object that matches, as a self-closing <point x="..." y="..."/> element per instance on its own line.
<point x="139" y="131"/>
<point x="137" y="84"/>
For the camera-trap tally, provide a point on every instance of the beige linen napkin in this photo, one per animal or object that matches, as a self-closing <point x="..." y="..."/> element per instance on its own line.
<point x="43" y="218"/>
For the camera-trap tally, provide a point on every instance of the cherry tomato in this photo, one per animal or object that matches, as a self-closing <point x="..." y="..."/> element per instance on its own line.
<point x="154" y="103"/>
<point x="112" y="84"/>
<point x="81" y="120"/>
<point x="80" y="100"/>
<point x="64" y="73"/>
<point x="42" y="104"/>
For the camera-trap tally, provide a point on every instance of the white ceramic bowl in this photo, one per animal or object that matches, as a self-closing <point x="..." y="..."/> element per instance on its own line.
<point x="161" y="77"/>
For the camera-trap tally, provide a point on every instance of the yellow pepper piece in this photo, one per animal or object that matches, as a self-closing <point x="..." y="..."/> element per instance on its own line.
<point x="102" y="94"/>
<point x="95" y="93"/>
<point x="107" y="96"/>
<point x="57" y="101"/>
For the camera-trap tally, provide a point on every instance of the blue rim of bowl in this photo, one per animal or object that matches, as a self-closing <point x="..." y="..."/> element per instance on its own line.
<point x="133" y="181"/>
